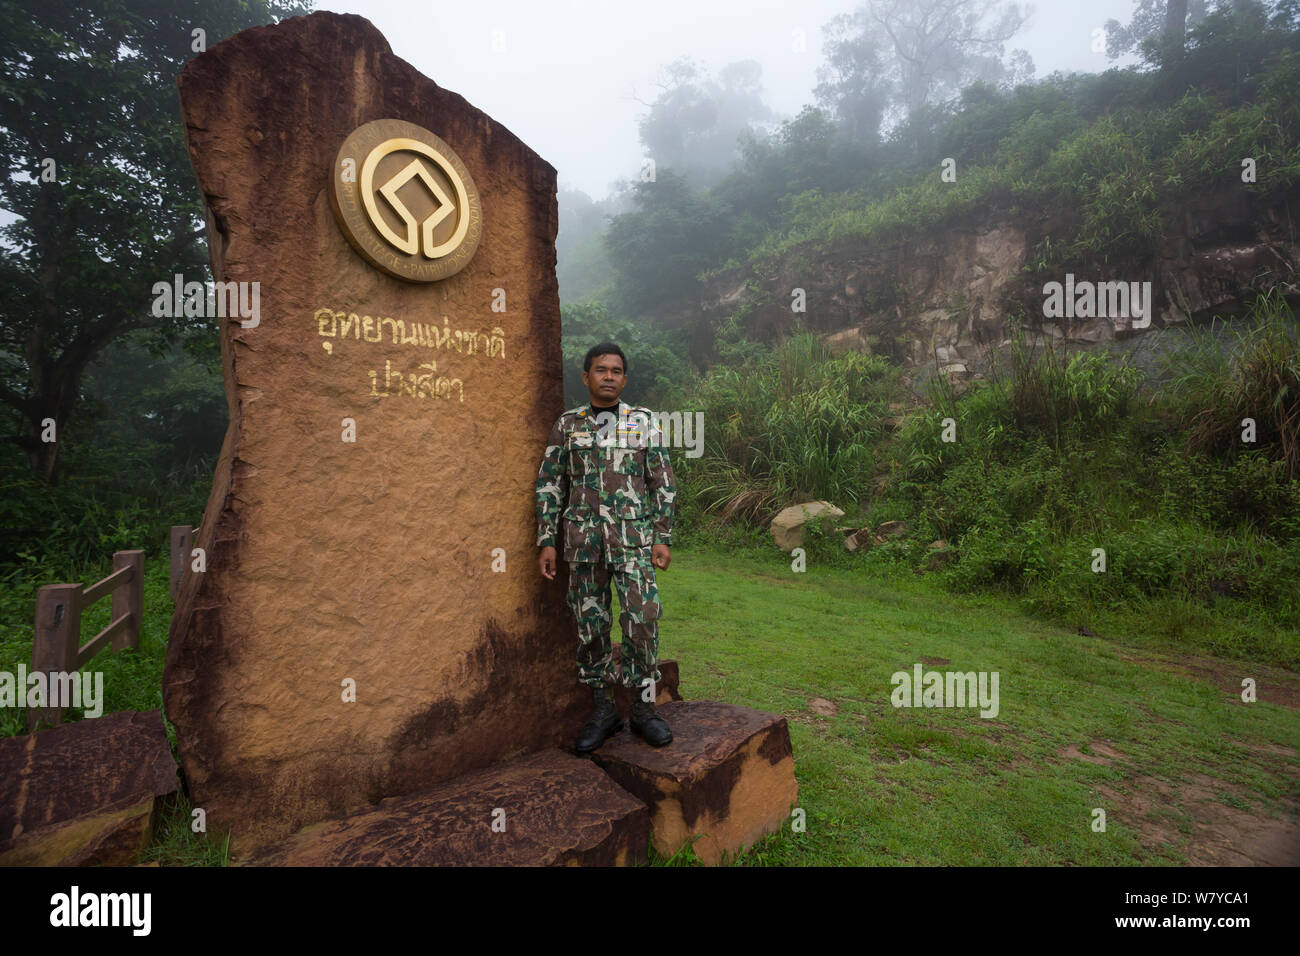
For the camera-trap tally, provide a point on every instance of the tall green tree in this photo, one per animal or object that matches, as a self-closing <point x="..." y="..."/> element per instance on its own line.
<point x="101" y="200"/>
<point x="852" y="86"/>
<point x="659" y="248"/>
<point x="913" y="53"/>
<point x="1153" y="19"/>
<point x="1161" y="30"/>
<point x="693" y="125"/>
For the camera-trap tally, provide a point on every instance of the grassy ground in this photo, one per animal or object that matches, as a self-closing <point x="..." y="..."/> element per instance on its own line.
<point x="1083" y="722"/>
<point x="132" y="681"/>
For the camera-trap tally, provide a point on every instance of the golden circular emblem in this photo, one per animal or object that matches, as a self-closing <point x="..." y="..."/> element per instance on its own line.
<point x="405" y="201"/>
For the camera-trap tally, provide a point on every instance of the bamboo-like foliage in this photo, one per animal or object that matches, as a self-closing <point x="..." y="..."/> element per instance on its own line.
<point x="1214" y="389"/>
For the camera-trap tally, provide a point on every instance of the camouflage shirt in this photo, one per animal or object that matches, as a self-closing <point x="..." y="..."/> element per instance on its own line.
<point x="613" y="482"/>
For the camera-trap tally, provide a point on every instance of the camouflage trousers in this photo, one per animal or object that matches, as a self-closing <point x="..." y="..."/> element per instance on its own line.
<point x="638" y="596"/>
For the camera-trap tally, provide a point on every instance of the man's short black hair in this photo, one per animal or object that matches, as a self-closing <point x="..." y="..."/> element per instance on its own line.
<point x="604" y="348"/>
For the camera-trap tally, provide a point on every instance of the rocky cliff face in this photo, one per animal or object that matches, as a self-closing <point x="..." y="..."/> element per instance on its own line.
<point x="944" y="298"/>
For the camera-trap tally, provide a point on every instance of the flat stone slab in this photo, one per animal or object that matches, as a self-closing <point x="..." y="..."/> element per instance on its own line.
<point x="727" y="776"/>
<point x="544" y="809"/>
<point x="83" y="794"/>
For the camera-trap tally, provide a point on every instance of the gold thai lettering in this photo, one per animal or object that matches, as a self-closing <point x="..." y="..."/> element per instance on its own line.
<point x="415" y="384"/>
<point x="328" y="315"/>
<point x="443" y="387"/>
<point x="332" y="323"/>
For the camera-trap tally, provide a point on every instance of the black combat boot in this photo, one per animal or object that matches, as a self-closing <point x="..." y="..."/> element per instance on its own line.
<point x="644" y="721"/>
<point x="604" y="722"/>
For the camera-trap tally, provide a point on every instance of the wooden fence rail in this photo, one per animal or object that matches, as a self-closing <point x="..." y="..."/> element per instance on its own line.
<point x="55" y="645"/>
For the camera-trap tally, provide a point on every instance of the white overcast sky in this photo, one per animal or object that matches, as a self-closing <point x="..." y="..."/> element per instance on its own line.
<point x="569" y="73"/>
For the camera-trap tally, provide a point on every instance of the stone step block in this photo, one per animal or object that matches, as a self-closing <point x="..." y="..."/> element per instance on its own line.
<point x="85" y="793"/>
<point x="665" y="691"/>
<point x="558" y="810"/>
<point x="727" y="777"/>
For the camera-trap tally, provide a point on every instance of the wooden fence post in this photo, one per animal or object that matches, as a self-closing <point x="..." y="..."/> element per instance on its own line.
<point x="54" y="648"/>
<point x="128" y="598"/>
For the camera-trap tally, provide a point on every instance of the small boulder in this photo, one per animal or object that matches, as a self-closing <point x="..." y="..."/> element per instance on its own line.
<point x="891" y="529"/>
<point x="859" y="540"/>
<point x="938" y="555"/>
<point x="787" y="527"/>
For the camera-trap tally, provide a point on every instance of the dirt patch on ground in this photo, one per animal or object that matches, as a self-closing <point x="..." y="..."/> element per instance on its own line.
<point x="1229" y="828"/>
<point x="1222" y="834"/>
<point x="1100" y="753"/>
<point x="822" y="707"/>
<point x="820" y="726"/>
<point x="1272" y="684"/>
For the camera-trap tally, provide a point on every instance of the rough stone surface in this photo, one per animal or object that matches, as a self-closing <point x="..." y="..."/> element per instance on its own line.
<point x="83" y="794"/>
<point x="728" y="774"/>
<point x="559" y="810"/>
<point x="369" y="560"/>
<point x="787" y="527"/>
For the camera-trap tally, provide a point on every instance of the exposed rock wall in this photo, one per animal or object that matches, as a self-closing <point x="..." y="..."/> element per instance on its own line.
<point x="944" y="297"/>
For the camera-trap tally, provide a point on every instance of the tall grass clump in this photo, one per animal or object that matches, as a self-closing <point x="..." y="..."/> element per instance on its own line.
<point x="795" y="424"/>
<point x="1030" y="395"/>
<point x="1214" y="389"/>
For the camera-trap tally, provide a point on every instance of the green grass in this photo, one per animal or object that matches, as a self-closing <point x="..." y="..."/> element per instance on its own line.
<point x="886" y="786"/>
<point x="132" y="681"/>
<point x="881" y="786"/>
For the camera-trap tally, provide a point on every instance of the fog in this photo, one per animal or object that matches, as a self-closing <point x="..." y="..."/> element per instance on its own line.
<point x="574" y="79"/>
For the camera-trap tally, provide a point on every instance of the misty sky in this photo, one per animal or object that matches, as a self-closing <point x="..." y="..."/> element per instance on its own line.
<point x="571" y="72"/>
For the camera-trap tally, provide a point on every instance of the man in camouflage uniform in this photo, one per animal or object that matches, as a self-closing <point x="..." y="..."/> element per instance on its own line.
<point x="605" y="466"/>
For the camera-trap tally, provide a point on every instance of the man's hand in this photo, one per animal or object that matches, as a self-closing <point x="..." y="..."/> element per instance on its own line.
<point x="660" y="556"/>
<point x="546" y="563"/>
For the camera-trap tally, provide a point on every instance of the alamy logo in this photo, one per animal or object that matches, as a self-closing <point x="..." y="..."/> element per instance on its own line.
<point x="946" y="689"/>
<point x="75" y="908"/>
<point x="41" y="689"/>
<point x="661" y="429"/>
<point x="178" y="298"/>
<point x="1102" y="300"/>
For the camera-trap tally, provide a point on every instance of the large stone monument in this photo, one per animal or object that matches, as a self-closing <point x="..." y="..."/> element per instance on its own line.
<point x="369" y="620"/>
